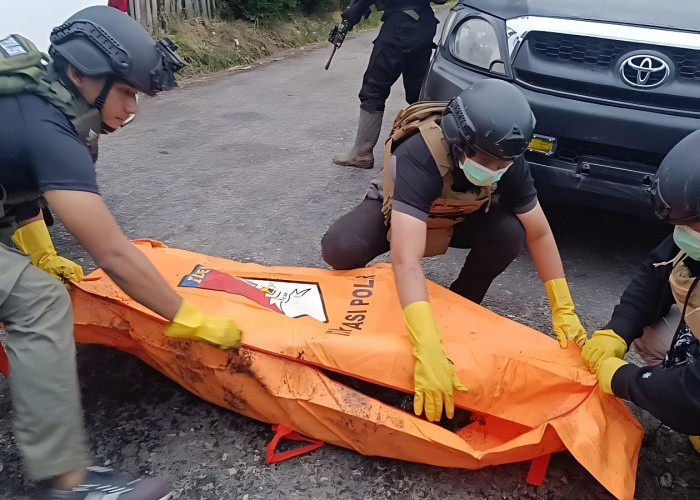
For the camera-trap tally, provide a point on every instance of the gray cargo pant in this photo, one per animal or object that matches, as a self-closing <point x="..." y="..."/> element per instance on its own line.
<point x="38" y="317"/>
<point x="656" y="340"/>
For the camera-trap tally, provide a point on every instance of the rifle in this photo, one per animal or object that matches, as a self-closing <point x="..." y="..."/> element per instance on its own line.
<point x="337" y="37"/>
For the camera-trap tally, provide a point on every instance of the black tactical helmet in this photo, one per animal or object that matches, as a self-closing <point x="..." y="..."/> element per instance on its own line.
<point x="102" y="41"/>
<point x="675" y="192"/>
<point x="491" y="116"/>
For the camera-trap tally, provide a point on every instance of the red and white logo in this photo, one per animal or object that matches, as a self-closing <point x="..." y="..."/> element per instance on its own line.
<point x="294" y="299"/>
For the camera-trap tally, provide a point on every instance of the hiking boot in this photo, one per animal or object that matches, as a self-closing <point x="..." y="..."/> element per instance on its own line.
<point x="368" y="129"/>
<point x="102" y="483"/>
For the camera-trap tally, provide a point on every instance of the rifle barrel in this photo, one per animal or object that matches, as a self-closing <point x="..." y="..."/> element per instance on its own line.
<point x="328" y="64"/>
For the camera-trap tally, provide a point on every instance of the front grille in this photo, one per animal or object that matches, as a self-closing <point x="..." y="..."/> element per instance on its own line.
<point x="572" y="150"/>
<point x="621" y="93"/>
<point x="578" y="49"/>
<point x="687" y="62"/>
<point x="603" y="52"/>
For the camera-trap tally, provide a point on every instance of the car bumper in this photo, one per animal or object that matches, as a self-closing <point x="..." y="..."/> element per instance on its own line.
<point x="610" y="188"/>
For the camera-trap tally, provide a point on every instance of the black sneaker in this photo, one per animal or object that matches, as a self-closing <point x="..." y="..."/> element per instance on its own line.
<point x="102" y="483"/>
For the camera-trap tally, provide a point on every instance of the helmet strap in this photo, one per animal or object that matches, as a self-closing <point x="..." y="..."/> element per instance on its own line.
<point x="106" y="129"/>
<point x="100" y="102"/>
<point x="455" y="151"/>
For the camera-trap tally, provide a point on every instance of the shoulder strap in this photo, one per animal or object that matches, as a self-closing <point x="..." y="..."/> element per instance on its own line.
<point x="432" y="135"/>
<point x="409" y="119"/>
<point x="86" y="119"/>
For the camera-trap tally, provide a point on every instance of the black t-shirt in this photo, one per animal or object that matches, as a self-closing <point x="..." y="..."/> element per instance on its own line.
<point x="418" y="182"/>
<point x="40" y="150"/>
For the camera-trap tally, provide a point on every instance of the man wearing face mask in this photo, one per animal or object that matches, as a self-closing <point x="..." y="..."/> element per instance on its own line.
<point x="51" y="115"/>
<point x="463" y="183"/>
<point x="659" y="311"/>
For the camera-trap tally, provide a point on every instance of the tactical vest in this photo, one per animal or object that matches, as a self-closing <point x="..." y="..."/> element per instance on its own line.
<point x="24" y="70"/>
<point x="680" y="280"/>
<point x="451" y="207"/>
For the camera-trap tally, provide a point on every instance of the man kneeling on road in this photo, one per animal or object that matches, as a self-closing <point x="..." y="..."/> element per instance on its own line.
<point x="439" y="189"/>
<point x="50" y="117"/>
<point x="659" y="312"/>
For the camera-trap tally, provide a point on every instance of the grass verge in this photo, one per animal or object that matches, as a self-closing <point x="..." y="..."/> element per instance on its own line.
<point x="211" y="45"/>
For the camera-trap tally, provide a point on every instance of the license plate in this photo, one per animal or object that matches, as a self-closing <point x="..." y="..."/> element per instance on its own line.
<point x="542" y="144"/>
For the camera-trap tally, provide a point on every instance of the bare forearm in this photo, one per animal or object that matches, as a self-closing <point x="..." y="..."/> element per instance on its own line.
<point x="410" y="283"/>
<point x="545" y="256"/>
<point x="407" y="249"/>
<point x="134" y="273"/>
<point x="540" y="242"/>
<point x="88" y="219"/>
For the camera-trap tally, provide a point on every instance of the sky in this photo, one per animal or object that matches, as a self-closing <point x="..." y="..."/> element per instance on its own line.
<point x="34" y="19"/>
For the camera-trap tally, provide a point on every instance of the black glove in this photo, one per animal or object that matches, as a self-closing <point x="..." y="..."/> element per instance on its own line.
<point x="354" y="13"/>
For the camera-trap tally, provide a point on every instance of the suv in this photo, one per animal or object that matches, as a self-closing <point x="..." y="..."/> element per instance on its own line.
<point x="614" y="85"/>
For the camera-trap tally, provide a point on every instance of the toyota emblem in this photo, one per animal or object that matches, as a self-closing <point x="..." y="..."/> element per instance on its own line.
<point x="644" y="71"/>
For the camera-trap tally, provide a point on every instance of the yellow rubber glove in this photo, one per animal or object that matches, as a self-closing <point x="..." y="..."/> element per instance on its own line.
<point x="606" y="371"/>
<point x="34" y="239"/>
<point x="189" y="323"/>
<point x="434" y="375"/>
<point x="603" y="344"/>
<point x="564" y="320"/>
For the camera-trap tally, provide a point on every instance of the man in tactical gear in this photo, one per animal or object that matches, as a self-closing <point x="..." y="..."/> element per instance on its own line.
<point x="659" y="311"/>
<point x="403" y="47"/>
<point x="51" y="118"/>
<point x="460" y="183"/>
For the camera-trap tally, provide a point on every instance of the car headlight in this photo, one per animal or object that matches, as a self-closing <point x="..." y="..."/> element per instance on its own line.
<point x="475" y="42"/>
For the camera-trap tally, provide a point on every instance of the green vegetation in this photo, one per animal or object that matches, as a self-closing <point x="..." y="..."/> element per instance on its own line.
<point x="210" y="45"/>
<point x="276" y="10"/>
<point x="246" y="31"/>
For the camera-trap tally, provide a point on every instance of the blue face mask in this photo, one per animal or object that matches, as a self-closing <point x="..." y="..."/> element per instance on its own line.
<point x="480" y="175"/>
<point x="688" y="241"/>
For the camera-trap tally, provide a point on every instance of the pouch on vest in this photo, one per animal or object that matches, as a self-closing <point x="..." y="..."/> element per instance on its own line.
<point x="22" y="65"/>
